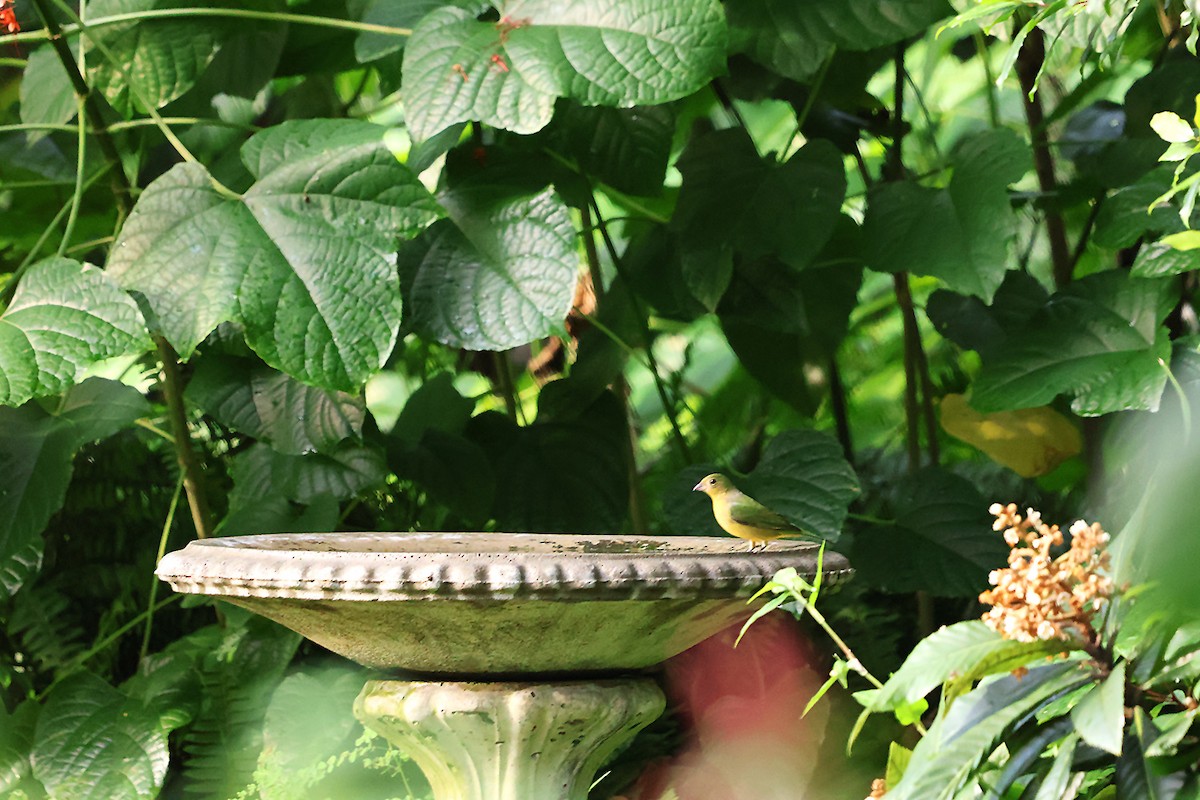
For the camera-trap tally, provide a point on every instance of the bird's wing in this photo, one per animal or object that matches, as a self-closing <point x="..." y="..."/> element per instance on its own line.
<point x="747" y="511"/>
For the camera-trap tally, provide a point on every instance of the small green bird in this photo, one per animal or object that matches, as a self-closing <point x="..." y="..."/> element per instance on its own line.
<point x="742" y="515"/>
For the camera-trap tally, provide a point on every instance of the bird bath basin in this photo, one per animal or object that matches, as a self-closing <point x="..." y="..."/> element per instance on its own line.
<point x="520" y="652"/>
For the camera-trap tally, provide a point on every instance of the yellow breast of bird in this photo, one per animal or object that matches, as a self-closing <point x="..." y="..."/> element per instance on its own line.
<point x="725" y="519"/>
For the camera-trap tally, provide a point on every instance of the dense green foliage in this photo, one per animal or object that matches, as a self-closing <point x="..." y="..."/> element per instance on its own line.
<point x="538" y="266"/>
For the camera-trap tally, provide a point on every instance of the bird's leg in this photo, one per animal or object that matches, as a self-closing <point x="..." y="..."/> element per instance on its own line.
<point x="753" y="544"/>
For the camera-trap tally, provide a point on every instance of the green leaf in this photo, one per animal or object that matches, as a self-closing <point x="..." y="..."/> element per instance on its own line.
<point x="1170" y="127"/>
<point x="310" y="717"/>
<point x="507" y="74"/>
<point x="305" y="260"/>
<point x="497" y="275"/>
<point x="36" y="450"/>
<point x="1159" y="259"/>
<point x="1099" y="339"/>
<point x="277" y="514"/>
<point x="1055" y="783"/>
<point x="731" y="197"/>
<point x="64" y="317"/>
<point x="963" y="737"/>
<point x="168" y="683"/>
<point x="47" y="96"/>
<point x="1139" y="775"/>
<point x="566" y="475"/>
<point x="293" y="418"/>
<point x="1129" y="213"/>
<point x="804" y="476"/>
<point x="436" y="405"/>
<point x="959" y="233"/>
<point x="1184" y="240"/>
<point x="370" y="45"/>
<point x="1099" y="718"/>
<point x="794" y="37"/>
<point x="156" y="60"/>
<point x="963" y="652"/>
<point x="16" y="742"/>
<point x="626" y="148"/>
<point x="343" y="472"/>
<point x="94" y="742"/>
<point x="942" y="541"/>
<point x="898" y="760"/>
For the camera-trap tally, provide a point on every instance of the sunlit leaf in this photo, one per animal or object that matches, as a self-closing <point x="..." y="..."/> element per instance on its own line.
<point x="305" y="260"/>
<point x="508" y="73"/>
<point x="64" y="317"/>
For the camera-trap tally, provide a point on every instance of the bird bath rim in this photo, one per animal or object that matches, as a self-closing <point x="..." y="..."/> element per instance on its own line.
<point x="446" y="566"/>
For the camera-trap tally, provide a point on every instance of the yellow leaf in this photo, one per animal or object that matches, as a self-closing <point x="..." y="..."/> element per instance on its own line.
<point x="1030" y="441"/>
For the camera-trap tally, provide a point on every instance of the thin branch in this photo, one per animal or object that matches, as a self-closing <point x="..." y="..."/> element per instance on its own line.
<point x="121" y="189"/>
<point x="912" y="343"/>
<point x="647" y="341"/>
<point x="1028" y="66"/>
<point x="837" y="405"/>
<point x="185" y="454"/>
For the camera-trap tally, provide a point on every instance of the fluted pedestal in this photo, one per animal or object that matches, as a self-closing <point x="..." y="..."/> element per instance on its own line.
<point x="509" y="741"/>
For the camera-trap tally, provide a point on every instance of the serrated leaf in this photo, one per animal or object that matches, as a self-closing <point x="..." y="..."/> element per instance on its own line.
<point x="1099" y="339"/>
<point x="305" y="260"/>
<point x="731" y="197"/>
<point x="794" y="38"/>
<point x="156" y="60"/>
<point x="959" y="233"/>
<point x="292" y="417"/>
<point x="804" y="476"/>
<point x="36" y="450"/>
<point x="963" y="652"/>
<point x="94" y="743"/>
<point x="64" y="317"/>
<point x="961" y="739"/>
<point x="497" y="275"/>
<point x="560" y="476"/>
<point x="1099" y="717"/>
<point x="508" y="73"/>
<point x="942" y="541"/>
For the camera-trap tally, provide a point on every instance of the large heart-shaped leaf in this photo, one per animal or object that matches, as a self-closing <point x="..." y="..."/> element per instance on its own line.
<point x="960" y="233"/>
<point x="627" y="148"/>
<point x="508" y="73"/>
<point x="942" y="541"/>
<point x="64" y="317"/>
<point x="154" y="60"/>
<point x="344" y="472"/>
<point x="565" y="475"/>
<point x="1099" y="339"/>
<point x="804" y="476"/>
<point x="46" y="92"/>
<point x="36" y="449"/>
<point x="794" y="37"/>
<point x="93" y="742"/>
<point x="305" y="260"/>
<point x="731" y="197"/>
<point x="292" y="417"/>
<point x="497" y="274"/>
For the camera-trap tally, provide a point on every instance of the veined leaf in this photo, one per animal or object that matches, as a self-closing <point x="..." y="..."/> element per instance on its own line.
<point x="305" y="260"/>
<point x="293" y="418"/>
<point x="963" y="652"/>
<point x="804" y="476"/>
<point x="64" y="317"/>
<point x="1099" y="339"/>
<point x="93" y="742"/>
<point x="963" y="737"/>
<point x="157" y="60"/>
<point x="497" y="275"/>
<point x="941" y="542"/>
<point x="508" y="73"/>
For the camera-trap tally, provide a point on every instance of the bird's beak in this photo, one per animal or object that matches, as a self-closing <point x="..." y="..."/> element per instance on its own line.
<point x="696" y="488"/>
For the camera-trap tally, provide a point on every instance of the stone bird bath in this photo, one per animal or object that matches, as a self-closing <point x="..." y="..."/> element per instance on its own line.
<point x="520" y="653"/>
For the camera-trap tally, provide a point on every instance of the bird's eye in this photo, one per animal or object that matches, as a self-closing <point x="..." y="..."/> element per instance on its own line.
<point x="712" y="481"/>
